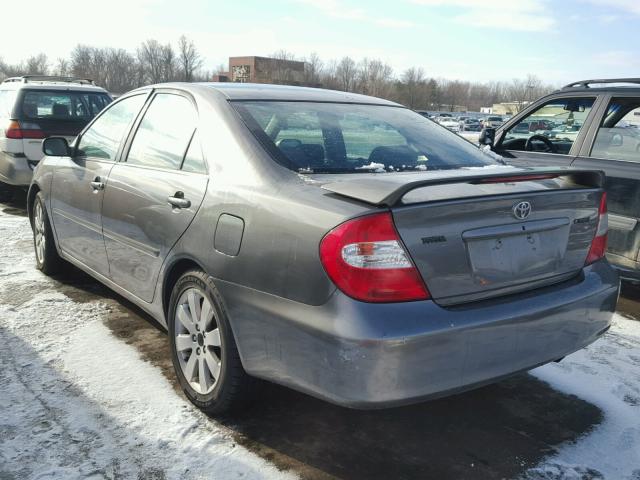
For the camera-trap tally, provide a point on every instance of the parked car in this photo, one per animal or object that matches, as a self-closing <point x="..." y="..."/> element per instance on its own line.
<point x="302" y="256"/>
<point x="492" y="122"/>
<point x="450" y="123"/>
<point x="593" y="129"/>
<point x="471" y="125"/>
<point x="33" y="107"/>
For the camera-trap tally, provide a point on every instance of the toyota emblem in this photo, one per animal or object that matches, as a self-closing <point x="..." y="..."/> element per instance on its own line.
<point x="522" y="210"/>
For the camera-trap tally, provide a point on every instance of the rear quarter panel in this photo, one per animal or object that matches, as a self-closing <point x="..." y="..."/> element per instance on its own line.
<point x="285" y="215"/>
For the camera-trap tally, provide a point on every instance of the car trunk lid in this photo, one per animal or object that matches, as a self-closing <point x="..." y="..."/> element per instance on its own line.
<point x="476" y="235"/>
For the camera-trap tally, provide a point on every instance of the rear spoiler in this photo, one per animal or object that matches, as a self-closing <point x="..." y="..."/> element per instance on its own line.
<point x="387" y="190"/>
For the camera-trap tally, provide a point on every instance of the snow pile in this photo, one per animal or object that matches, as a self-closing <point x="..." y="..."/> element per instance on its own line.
<point x="606" y="374"/>
<point x="75" y="402"/>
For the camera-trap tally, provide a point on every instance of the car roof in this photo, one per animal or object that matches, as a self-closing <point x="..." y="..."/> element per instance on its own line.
<point x="599" y="89"/>
<point x="51" y="86"/>
<point x="261" y="91"/>
<point x="617" y="85"/>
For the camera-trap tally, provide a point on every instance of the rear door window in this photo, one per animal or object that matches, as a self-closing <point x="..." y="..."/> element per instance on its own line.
<point x="618" y="137"/>
<point x="194" y="160"/>
<point x="164" y="133"/>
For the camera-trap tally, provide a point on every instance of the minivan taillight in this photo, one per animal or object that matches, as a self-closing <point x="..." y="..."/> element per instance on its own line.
<point x="18" y="131"/>
<point x="599" y="243"/>
<point x="365" y="258"/>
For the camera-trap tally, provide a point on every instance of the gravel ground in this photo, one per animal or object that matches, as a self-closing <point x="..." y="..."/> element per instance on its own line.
<point x="87" y="391"/>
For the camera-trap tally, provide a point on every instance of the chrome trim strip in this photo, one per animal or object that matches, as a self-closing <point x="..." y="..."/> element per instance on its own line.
<point x="141" y="247"/>
<point x="88" y="225"/>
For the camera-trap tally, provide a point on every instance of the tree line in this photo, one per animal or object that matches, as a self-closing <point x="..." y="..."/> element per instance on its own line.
<point x="119" y="70"/>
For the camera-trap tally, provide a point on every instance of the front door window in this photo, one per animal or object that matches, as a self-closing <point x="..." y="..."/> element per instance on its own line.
<point x="552" y="128"/>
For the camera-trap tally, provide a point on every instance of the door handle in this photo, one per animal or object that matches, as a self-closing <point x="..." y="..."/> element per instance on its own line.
<point x="97" y="184"/>
<point x="178" y="200"/>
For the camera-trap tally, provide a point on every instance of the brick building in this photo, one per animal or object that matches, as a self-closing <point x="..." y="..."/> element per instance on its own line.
<point x="262" y="70"/>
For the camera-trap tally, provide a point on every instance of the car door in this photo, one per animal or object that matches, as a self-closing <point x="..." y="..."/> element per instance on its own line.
<point x="549" y="133"/>
<point x="79" y="180"/>
<point x="613" y="145"/>
<point x="152" y="197"/>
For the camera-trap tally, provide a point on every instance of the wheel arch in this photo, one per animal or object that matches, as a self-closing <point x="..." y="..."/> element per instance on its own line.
<point x="31" y="198"/>
<point x="173" y="272"/>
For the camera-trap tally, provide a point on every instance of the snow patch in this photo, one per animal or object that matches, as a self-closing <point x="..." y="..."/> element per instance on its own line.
<point x="377" y="167"/>
<point x="606" y="374"/>
<point x="75" y="402"/>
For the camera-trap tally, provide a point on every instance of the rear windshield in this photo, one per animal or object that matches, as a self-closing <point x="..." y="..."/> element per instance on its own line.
<point x="350" y="138"/>
<point x="63" y="105"/>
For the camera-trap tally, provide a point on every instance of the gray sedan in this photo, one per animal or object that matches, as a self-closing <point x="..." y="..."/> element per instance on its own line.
<point x="338" y="244"/>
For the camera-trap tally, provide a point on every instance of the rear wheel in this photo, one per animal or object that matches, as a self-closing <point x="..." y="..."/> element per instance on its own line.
<point x="47" y="259"/>
<point x="203" y="349"/>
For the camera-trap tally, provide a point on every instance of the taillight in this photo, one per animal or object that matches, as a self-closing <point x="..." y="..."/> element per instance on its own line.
<point x="599" y="243"/>
<point x="365" y="258"/>
<point x="18" y="131"/>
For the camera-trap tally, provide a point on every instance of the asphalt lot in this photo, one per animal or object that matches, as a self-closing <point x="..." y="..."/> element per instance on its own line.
<point x="87" y="391"/>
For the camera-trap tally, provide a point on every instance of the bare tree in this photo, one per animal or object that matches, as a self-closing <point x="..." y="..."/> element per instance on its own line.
<point x="151" y="57"/>
<point x="375" y="78"/>
<point x="36" y="65"/>
<point x="62" y="67"/>
<point x="346" y="73"/>
<point x="313" y="70"/>
<point x="169" y="63"/>
<point x="122" y="71"/>
<point x="188" y="58"/>
<point x="412" y="87"/>
<point x="280" y="70"/>
<point x="524" y="91"/>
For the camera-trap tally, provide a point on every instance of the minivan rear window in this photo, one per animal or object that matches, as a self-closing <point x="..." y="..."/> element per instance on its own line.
<point x="311" y="137"/>
<point x="63" y="105"/>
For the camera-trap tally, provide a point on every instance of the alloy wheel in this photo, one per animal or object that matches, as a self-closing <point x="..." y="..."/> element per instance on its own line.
<point x="39" y="232"/>
<point x="197" y="341"/>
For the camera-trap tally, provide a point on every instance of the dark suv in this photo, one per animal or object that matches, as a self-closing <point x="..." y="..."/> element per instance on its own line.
<point x="588" y="124"/>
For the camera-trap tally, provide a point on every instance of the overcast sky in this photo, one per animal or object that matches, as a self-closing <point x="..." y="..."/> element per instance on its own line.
<point x="464" y="39"/>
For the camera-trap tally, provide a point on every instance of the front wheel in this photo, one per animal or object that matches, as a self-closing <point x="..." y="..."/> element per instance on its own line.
<point x="203" y="350"/>
<point x="47" y="259"/>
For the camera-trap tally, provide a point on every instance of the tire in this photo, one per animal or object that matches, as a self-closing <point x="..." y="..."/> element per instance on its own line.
<point x="6" y="193"/>
<point x="47" y="259"/>
<point x="204" y="353"/>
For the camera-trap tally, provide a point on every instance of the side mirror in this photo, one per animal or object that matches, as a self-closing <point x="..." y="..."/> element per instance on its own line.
<point x="487" y="136"/>
<point x="55" y="147"/>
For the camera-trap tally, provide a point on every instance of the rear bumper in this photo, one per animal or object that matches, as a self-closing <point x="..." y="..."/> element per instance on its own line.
<point x="15" y="169"/>
<point x="373" y="356"/>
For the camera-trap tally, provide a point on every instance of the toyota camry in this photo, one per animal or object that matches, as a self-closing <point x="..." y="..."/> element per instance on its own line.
<point x="338" y="244"/>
